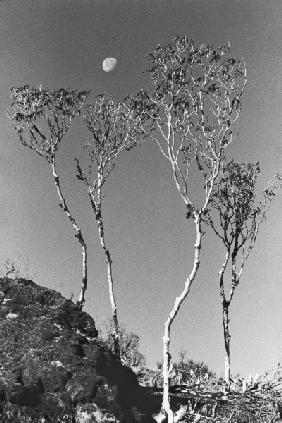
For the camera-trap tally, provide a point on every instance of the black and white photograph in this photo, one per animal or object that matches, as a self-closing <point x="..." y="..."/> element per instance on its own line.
<point x="141" y="211"/>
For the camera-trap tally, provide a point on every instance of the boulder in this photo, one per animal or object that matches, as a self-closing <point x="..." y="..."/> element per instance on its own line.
<point x="53" y="366"/>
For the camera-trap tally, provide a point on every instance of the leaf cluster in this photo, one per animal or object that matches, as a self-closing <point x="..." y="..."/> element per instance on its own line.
<point x="191" y="370"/>
<point x="234" y="199"/>
<point x="195" y="100"/>
<point x="234" y="213"/>
<point x="144" y="111"/>
<point x="42" y="116"/>
<point x="114" y="127"/>
<point x="172" y="64"/>
<point x="202" y="84"/>
<point x="111" y="125"/>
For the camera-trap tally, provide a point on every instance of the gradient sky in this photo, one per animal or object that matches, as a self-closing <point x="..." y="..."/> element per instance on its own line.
<point x="62" y="44"/>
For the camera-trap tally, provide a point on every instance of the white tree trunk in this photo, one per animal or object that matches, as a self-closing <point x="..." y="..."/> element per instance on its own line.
<point x="178" y="301"/>
<point x="166" y="369"/>
<point x="227" y="338"/>
<point x="78" y="235"/>
<point x="115" y="326"/>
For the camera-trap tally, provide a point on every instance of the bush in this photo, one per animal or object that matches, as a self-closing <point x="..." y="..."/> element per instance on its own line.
<point x="129" y="346"/>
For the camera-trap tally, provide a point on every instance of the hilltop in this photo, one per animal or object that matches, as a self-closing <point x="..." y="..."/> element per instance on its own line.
<point x="53" y="366"/>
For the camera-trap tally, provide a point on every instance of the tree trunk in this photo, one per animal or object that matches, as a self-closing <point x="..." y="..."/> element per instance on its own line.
<point x="166" y="370"/>
<point x="167" y="363"/>
<point x="227" y="338"/>
<point x="78" y="235"/>
<point x="115" y="333"/>
<point x="225" y="321"/>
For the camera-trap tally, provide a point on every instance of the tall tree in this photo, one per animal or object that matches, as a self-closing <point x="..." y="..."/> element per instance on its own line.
<point x="42" y="118"/>
<point x="114" y="127"/>
<point x="195" y="100"/>
<point x="235" y="216"/>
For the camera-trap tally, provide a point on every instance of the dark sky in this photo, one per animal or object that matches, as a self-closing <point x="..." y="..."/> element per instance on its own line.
<point x="62" y="44"/>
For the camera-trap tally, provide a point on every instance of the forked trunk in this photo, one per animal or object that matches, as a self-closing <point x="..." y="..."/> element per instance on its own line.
<point x="78" y="235"/>
<point x="227" y="338"/>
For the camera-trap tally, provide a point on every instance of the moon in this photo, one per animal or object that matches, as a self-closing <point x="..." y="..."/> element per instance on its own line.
<point x="109" y="64"/>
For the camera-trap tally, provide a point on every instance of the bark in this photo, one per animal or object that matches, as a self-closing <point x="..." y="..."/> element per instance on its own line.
<point x="178" y="301"/>
<point x="235" y="279"/>
<point x="166" y="368"/>
<point x="225" y="317"/>
<point x="98" y="214"/>
<point x="227" y="337"/>
<point x="78" y="235"/>
<point x="111" y="286"/>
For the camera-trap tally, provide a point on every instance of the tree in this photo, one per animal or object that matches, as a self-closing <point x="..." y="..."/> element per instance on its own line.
<point x="114" y="127"/>
<point x="195" y="100"/>
<point x="235" y="216"/>
<point x="42" y="118"/>
<point x="129" y="347"/>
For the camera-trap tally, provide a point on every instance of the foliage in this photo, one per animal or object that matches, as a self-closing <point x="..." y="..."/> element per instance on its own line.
<point x="191" y="372"/>
<point x="42" y="116"/>
<point x="184" y="372"/>
<point x="129" y="347"/>
<point x="113" y="129"/>
<point x="17" y="268"/>
<point x="197" y="98"/>
<point x="234" y="202"/>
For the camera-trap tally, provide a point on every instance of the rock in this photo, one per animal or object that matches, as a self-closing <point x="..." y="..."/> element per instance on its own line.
<point x="53" y="368"/>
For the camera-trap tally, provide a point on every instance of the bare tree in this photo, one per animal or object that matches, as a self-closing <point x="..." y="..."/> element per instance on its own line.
<point x="114" y="127"/>
<point x="195" y="100"/>
<point x="41" y="118"/>
<point x="235" y="216"/>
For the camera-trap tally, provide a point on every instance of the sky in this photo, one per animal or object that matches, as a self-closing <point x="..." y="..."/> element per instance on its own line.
<point x="63" y="44"/>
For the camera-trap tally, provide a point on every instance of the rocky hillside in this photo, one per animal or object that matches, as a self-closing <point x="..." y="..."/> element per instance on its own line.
<point x="53" y="366"/>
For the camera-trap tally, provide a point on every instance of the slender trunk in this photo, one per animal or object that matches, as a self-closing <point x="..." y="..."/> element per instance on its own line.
<point x="227" y="337"/>
<point x="111" y="287"/>
<point x="178" y="301"/>
<point x="225" y="310"/>
<point x="225" y="321"/>
<point x="166" y="370"/>
<point x="78" y="235"/>
<point x="98" y="214"/>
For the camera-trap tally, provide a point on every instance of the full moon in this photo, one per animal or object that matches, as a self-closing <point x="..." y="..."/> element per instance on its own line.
<point x="109" y="64"/>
